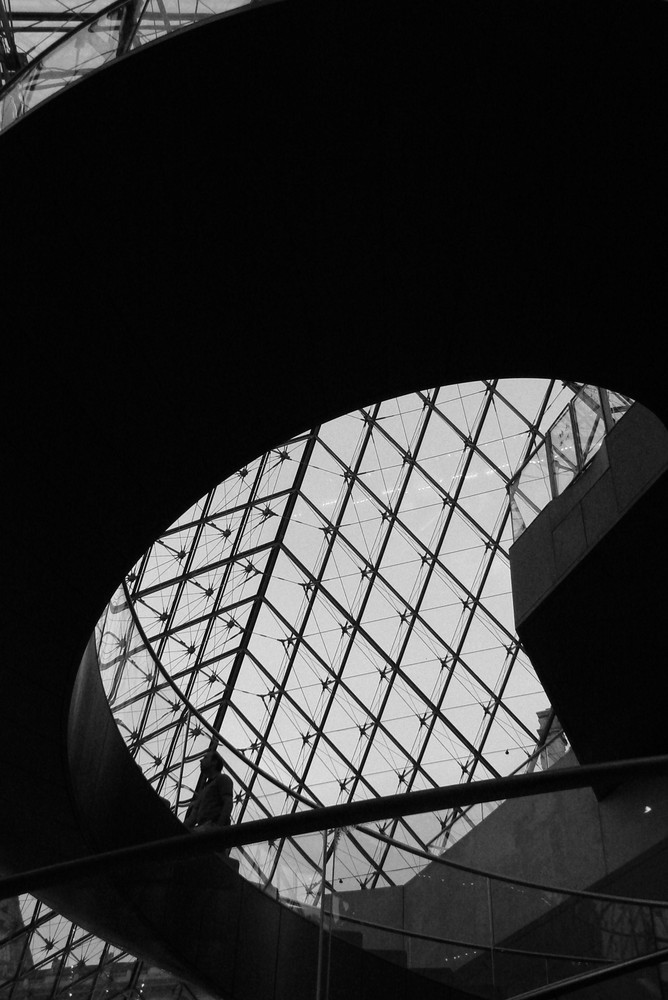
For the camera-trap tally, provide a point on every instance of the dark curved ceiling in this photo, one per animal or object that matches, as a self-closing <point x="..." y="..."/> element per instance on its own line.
<point x="247" y="231"/>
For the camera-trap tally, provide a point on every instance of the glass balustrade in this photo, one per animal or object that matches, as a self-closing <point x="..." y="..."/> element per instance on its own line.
<point x="477" y="931"/>
<point x="562" y="455"/>
<point x="484" y="933"/>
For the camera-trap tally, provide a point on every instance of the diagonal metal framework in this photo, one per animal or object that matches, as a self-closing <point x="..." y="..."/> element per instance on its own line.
<point x="29" y="27"/>
<point x="44" y="956"/>
<point x="337" y="618"/>
<point x="368" y="650"/>
<point x="301" y="607"/>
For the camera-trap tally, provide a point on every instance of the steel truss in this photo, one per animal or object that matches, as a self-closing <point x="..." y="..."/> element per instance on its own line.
<point x="29" y="27"/>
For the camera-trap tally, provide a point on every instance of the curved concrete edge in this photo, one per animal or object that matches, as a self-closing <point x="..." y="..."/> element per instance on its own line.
<point x="196" y="918"/>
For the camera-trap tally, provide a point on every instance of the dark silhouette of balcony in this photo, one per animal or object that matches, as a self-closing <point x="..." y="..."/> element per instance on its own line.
<point x="586" y="608"/>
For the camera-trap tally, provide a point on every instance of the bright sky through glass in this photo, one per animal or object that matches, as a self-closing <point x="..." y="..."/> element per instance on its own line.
<point x="37" y="24"/>
<point x="400" y="511"/>
<point x="339" y="612"/>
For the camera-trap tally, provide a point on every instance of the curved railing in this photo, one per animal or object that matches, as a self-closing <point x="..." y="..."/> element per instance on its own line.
<point x="121" y="641"/>
<point x="123" y="27"/>
<point x="478" y="931"/>
<point x="566" y="450"/>
<point x="489" y="929"/>
<point x="509" y="933"/>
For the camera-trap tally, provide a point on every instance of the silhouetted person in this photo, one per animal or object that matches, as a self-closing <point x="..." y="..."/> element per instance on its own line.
<point x="211" y="808"/>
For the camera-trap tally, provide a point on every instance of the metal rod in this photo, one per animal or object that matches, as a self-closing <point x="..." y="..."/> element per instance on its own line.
<point x="490" y="913"/>
<point x="577" y="442"/>
<point x="330" y="925"/>
<point x="605" y="409"/>
<point x="321" y="929"/>
<point x="474" y="946"/>
<point x="327" y="817"/>
<point x="576" y="983"/>
<point x="439" y="859"/>
<point x="183" y="762"/>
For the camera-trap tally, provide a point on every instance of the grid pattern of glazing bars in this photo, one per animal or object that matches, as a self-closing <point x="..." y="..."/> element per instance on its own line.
<point x="340" y="613"/>
<point x="43" y="957"/>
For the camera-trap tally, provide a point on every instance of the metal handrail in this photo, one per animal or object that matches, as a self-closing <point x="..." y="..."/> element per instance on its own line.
<point x="512" y="880"/>
<point x="194" y="712"/>
<point x="539" y="749"/>
<point x="576" y="983"/>
<point x="506" y="949"/>
<point x="329" y="817"/>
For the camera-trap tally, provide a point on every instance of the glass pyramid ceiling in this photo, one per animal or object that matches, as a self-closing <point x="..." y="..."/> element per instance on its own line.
<point x="337" y="619"/>
<point x="340" y="612"/>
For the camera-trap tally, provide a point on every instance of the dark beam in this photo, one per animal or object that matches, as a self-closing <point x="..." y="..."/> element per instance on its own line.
<point x="330" y="817"/>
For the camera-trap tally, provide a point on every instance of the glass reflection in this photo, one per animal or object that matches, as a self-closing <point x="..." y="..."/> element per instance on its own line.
<point x="569" y="446"/>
